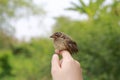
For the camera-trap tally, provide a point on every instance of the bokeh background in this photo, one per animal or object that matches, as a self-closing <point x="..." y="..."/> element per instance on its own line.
<point x="25" y="47"/>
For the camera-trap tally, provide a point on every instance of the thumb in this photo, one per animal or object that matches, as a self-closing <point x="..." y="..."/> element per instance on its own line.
<point x="55" y="62"/>
<point x="66" y="55"/>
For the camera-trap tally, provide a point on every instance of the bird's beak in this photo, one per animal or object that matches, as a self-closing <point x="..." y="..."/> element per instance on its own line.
<point x="52" y="36"/>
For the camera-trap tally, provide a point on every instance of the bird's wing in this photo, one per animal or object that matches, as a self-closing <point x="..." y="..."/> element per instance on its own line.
<point x="71" y="46"/>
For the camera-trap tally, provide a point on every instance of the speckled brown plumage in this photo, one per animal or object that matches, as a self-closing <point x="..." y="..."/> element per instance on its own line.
<point x="64" y="42"/>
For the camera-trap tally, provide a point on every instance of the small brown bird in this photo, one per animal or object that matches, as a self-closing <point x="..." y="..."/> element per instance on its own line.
<point x="64" y="42"/>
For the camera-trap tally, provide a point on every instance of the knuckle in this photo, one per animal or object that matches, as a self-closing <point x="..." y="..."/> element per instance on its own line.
<point x="69" y="61"/>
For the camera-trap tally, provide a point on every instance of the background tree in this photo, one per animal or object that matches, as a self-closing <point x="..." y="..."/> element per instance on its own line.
<point x="16" y="58"/>
<point x="98" y="38"/>
<point x="13" y="10"/>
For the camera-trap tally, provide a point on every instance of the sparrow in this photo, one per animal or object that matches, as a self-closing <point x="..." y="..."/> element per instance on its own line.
<point x="64" y="42"/>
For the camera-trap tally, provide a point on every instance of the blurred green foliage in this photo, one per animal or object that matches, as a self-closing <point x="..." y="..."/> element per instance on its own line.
<point x="26" y="61"/>
<point x="98" y="39"/>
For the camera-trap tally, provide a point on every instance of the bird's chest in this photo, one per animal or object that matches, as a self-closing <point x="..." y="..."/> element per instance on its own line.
<point x="59" y="44"/>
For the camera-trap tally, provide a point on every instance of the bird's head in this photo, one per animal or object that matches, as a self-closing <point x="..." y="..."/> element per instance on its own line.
<point x="56" y="35"/>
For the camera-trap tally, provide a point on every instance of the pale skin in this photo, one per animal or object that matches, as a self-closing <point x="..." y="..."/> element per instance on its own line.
<point x="65" y="69"/>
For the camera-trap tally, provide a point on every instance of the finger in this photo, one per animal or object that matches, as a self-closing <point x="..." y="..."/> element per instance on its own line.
<point x="66" y="55"/>
<point x="55" y="62"/>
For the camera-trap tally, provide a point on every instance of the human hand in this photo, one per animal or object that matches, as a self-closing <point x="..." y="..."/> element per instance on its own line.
<point x="65" y="69"/>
